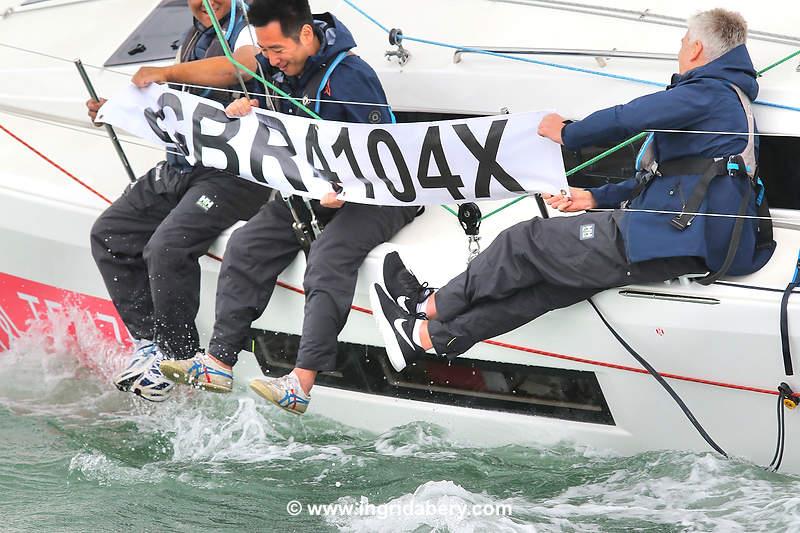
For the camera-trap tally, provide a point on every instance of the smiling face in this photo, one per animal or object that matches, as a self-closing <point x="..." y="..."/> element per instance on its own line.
<point x="221" y="9"/>
<point x="288" y="54"/>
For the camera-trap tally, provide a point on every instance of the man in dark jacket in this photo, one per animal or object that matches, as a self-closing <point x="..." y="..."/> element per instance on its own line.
<point x="148" y="242"/>
<point x="308" y="57"/>
<point x="545" y="264"/>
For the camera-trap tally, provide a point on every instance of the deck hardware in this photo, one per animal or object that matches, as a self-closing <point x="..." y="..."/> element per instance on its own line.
<point x="469" y="216"/>
<point x="790" y="401"/>
<point x="396" y="39"/>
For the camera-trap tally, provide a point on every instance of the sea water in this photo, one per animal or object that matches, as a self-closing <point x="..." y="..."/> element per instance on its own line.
<point x="77" y="455"/>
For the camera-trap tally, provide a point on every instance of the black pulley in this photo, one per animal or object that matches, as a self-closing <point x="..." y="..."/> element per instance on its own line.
<point x="469" y="215"/>
<point x="395" y="36"/>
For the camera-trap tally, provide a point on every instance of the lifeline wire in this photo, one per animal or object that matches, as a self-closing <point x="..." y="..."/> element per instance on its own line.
<point x="551" y="64"/>
<point x="87" y="131"/>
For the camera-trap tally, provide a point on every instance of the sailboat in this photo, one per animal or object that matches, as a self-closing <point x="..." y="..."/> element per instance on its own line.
<point x="563" y="377"/>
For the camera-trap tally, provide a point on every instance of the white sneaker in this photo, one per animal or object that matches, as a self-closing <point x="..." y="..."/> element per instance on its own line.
<point x="285" y="392"/>
<point x="142" y="358"/>
<point x="201" y="371"/>
<point x="152" y="385"/>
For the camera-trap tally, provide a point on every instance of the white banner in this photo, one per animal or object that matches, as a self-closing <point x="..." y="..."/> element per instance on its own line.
<point x="385" y="164"/>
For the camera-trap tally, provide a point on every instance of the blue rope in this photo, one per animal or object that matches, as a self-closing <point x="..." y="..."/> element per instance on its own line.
<point x="536" y="61"/>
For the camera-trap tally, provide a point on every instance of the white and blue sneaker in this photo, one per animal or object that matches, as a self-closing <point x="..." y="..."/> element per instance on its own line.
<point x="201" y="371"/>
<point x="152" y="385"/>
<point x="285" y="392"/>
<point x="142" y="358"/>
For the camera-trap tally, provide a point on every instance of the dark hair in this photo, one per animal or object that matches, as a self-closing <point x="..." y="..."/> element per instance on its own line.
<point x="291" y="14"/>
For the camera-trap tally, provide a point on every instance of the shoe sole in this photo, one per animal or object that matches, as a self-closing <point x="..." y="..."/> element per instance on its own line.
<point x="392" y="347"/>
<point x="178" y="375"/>
<point x="267" y="393"/>
<point x="125" y="385"/>
<point x="154" y="399"/>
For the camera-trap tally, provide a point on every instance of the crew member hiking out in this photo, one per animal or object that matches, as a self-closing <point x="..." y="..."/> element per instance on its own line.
<point x="543" y="264"/>
<point x="310" y="58"/>
<point x="148" y="242"/>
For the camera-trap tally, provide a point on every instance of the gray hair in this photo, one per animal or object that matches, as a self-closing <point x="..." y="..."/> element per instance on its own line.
<point x="719" y="30"/>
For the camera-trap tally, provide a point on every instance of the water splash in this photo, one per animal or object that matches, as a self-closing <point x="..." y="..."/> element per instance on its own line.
<point x="417" y="439"/>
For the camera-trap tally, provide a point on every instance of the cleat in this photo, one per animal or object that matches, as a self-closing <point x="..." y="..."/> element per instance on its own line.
<point x="201" y="371"/>
<point x="285" y="392"/>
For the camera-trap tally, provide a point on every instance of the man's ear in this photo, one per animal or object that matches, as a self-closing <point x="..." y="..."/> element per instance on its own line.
<point x="697" y="51"/>
<point x="306" y="35"/>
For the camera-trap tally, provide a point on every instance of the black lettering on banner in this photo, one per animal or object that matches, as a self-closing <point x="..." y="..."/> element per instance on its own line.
<point x="342" y="144"/>
<point x="432" y="146"/>
<point x="487" y="158"/>
<point x="261" y="149"/>
<point x="216" y="142"/>
<point x="377" y="136"/>
<point x="313" y="149"/>
<point x="171" y="101"/>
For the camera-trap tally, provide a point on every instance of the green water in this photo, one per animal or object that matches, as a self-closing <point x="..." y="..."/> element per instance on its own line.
<point x="78" y="456"/>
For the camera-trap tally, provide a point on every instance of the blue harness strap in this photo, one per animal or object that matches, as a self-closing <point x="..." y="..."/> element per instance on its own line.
<point x="326" y="77"/>
<point x="335" y="63"/>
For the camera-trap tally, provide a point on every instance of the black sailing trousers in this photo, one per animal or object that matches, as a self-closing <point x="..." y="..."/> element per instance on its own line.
<point x="148" y="242"/>
<point x="534" y="267"/>
<point x="260" y="250"/>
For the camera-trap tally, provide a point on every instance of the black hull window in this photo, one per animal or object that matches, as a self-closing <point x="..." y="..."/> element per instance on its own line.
<point x="520" y="389"/>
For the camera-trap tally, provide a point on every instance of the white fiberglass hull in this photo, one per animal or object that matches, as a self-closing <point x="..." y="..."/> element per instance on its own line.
<point x="722" y="334"/>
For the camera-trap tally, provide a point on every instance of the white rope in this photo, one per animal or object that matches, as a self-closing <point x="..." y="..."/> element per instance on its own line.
<point x="795" y="220"/>
<point x="86" y="131"/>
<point x="63" y="59"/>
<point x="193" y="86"/>
<point x="758" y="134"/>
<point x="278" y="97"/>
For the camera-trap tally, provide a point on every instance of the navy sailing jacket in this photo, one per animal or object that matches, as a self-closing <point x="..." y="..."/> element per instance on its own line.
<point x="699" y="100"/>
<point x="352" y="80"/>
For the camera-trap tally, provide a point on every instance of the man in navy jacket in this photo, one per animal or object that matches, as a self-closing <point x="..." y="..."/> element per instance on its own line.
<point x="544" y="264"/>
<point x="310" y="59"/>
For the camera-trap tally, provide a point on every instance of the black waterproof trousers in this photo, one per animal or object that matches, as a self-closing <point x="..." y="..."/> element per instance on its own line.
<point x="534" y="267"/>
<point x="260" y="250"/>
<point x="148" y="242"/>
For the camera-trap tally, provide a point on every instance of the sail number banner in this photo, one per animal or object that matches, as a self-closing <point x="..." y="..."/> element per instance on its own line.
<point x="416" y="163"/>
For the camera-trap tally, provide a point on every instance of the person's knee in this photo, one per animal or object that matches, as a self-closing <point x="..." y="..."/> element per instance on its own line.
<point x="165" y="252"/>
<point x="101" y="236"/>
<point x="328" y="274"/>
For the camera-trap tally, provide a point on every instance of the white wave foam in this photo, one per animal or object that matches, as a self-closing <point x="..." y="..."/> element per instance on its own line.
<point x="438" y="505"/>
<point x="417" y="439"/>
<point x="69" y="330"/>
<point x="688" y="491"/>
<point x="97" y="467"/>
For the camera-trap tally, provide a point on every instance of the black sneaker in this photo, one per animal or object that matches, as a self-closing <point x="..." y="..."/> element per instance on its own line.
<point x="401" y="285"/>
<point x="396" y="326"/>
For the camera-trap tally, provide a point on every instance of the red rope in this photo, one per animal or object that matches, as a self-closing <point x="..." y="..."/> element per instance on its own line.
<point x="59" y="167"/>
<point x="490" y="342"/>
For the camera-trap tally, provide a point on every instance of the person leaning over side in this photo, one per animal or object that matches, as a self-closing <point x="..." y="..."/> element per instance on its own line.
<point x="299" y="51"/>
<point x="543" y="264"/>
<point x="148" y="242"/>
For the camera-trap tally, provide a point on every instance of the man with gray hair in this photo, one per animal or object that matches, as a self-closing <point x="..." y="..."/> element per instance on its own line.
<point x="651" y="228"/>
